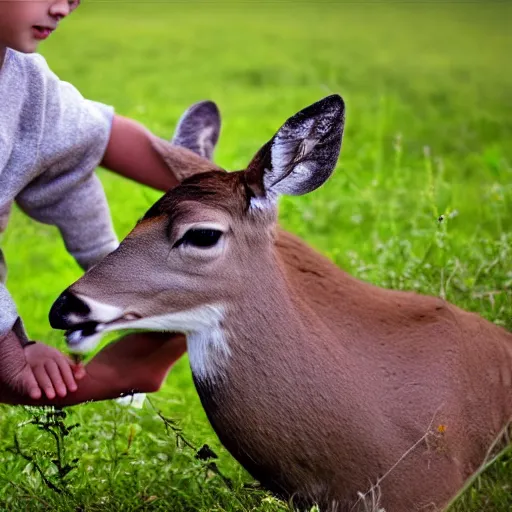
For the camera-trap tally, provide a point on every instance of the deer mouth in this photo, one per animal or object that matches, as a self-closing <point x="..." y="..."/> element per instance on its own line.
<point x="84" y="337"/>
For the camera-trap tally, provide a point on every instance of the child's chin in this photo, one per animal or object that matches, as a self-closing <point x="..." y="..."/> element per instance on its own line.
<point x="27" y="46"/>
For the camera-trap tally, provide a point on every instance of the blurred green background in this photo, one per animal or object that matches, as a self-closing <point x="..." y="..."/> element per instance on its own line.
<point x="428" y="133"/>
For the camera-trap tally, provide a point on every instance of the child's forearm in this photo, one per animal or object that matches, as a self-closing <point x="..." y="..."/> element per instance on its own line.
<point x="89" y="390"/>
<point x="137" y="362"/>
<point x="131" y="154"/>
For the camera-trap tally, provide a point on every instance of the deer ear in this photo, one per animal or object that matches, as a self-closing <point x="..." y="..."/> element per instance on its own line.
<point x="191" y="149"/>
<point x="198" y="129"/>
<point x="302" y="154"/>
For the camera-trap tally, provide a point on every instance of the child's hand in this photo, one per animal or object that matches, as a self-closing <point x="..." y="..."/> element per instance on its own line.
<point x="53" y="372"/>
<point x="25" y="371"/>
<point x="136" y="362"/>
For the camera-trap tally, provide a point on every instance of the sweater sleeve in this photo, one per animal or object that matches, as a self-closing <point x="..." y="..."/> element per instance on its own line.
<point x="8" y="313"/>
<point x="66" y="192"/>
<point x="9" y="319"/>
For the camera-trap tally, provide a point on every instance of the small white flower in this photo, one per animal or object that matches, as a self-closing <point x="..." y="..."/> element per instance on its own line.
<point x="136" y="400"/>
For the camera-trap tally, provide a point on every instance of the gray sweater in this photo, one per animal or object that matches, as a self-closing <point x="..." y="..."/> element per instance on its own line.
<point x="51" y="141"/>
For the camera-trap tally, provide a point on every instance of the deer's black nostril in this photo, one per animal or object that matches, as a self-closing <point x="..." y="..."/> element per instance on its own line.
<point x="65" y="305"/>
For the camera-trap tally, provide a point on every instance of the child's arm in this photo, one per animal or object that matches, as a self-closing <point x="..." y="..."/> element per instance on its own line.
<point x="137" y="362"/>
<point x="131" y="153"/>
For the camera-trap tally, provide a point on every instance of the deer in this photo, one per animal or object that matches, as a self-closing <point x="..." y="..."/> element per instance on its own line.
<point x="322" y="386"/>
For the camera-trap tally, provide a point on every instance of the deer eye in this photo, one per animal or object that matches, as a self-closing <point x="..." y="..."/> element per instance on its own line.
<point x="203" y="238"/>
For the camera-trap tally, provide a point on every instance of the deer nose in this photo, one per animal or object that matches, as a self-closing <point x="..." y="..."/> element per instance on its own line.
<point x="66" y="305"/>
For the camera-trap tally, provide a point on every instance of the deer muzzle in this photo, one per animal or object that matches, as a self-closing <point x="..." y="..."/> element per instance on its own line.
<point x="85" y="320"/>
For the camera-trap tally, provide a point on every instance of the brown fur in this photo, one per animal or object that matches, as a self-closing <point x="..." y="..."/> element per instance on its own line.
<point x="180" y="160"/>
<point x="328" y="410"/>
<point x="323" y="404"/>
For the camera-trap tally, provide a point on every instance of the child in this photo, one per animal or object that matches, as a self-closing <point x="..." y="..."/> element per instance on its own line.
<point x="51" y="140"/>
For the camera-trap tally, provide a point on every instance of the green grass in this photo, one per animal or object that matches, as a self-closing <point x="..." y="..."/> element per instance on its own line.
<point x="428" y="133"/>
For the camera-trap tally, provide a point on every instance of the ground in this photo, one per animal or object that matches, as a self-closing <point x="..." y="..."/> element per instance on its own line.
<point x="421" y="199"/>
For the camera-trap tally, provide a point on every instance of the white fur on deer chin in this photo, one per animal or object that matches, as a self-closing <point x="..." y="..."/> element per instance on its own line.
<point x="78" y="343"/>
<point x="207" y="345"/>
<point x="208" y="352"/>
<point x="206" y="342"/>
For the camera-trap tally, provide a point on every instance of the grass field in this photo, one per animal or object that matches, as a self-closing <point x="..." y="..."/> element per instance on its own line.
<point x="428" y="133"/>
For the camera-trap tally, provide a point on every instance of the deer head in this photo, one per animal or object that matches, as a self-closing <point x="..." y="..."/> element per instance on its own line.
<point x="203" y="244"/>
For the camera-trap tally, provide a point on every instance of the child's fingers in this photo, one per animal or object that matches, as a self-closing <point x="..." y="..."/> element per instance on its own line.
<point x="44" y="381"/>
<point x="53" y="372"/>
<point x="32" y="387"/>
<point x="67" y="374"/>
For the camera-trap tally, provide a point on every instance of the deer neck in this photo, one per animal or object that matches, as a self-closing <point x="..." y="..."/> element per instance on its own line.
<point x="264" y="329"/>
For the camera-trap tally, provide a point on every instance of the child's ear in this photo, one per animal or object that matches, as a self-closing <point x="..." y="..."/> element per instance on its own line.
<point x="302" y="154"/>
